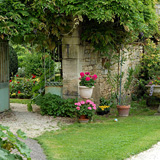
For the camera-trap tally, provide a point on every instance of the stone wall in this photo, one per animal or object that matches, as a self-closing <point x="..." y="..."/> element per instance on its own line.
<point x="79" y="57"/>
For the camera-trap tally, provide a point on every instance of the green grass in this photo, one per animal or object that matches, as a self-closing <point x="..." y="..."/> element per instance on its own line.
<point x="102" y="140"/>
<point x="22" y="101"/>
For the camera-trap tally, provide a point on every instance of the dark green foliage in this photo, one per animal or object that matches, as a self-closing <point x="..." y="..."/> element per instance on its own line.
<point x="105" y="102"/>
<point x="9" y="142"/>
<point x="13" y="62"/>
<point x="21" y="95"/>
<point x="54" y="105"/>
<point x="34" y="64"/>
<point x="106" y="24"/>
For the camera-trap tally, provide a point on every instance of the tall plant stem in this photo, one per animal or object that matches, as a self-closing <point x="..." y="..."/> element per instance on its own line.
<point x="120" y="84"/>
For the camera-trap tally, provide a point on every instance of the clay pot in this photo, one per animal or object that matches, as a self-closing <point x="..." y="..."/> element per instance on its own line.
<point x="83" y="119"/>
<point x="123" y="110"/>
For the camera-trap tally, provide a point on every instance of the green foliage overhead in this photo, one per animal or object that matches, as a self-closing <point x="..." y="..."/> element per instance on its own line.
<point x="108" y="24"/>
<point x="15" y="20"/>
<point x="105" y="23"/>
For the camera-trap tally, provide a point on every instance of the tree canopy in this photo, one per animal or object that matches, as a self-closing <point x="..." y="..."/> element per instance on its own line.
<point x="105" y="23"/>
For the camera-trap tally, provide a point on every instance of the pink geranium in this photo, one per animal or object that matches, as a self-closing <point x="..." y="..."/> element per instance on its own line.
<point x="89" y="108"/>
<point x="82" y="74"/>
<point x="94" y="77"/>
<point x="94" y="108"/>
<point x="78" y="108"/>
<point x="87" y="73"/>
<point x="78" y="104"/>
<point x="93" y="105"/>
<point x="87" y="79"/>
<point x="88" y="101"/>
<point x="82" y="102"/>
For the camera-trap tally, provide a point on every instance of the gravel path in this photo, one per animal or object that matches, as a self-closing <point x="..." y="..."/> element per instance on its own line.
<point x="32" y="123"/>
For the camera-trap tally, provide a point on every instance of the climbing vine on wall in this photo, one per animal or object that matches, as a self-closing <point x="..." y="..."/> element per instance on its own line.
<point x="106" y="24"/>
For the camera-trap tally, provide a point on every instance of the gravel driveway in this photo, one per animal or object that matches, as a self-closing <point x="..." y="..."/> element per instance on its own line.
<point x="32" y="123"/>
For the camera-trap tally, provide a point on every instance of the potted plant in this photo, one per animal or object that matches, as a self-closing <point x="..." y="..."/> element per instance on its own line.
<point x="122" y="89"/>
<point x="124" y="97"/>
<point x="87" y="82"/>
<point x="85" y="110"/>
<point x="153" y="88"/>
<point x="104" y="107"/>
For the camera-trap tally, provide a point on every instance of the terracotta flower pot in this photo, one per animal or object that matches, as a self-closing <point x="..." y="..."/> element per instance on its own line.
<point x="83" y="119"/>
<point x="85" y="92"/>
<point x="123" y="110"/>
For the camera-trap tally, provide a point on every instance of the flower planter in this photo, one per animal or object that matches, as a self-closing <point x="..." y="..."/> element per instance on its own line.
<point x="102" y="112"/>
<point x="85" y="92"/>
<point x="123" y="110"/>
<point x="83" y="119"/>
<point x="155" y="92"/>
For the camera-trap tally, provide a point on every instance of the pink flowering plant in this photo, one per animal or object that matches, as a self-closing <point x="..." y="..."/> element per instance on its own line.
<point x="87" y="108"/>
<point x="87" y="79"/>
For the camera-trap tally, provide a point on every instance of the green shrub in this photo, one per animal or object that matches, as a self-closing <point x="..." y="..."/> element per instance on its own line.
<point x="28" y="96"/>
<point x="13" y="63"/>
<point x="9" y="142"/>
<point x="23" y="85"/>
<point x="54" y="105"/>
<point x="21" y="95"/>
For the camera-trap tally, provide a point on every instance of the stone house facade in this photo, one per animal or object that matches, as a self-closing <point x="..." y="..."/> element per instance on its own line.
<point x="79" y="57"/>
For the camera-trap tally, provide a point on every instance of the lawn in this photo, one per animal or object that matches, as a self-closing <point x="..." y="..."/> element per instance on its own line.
<point x="103" y="139"/>
<point x="22" y="101"/>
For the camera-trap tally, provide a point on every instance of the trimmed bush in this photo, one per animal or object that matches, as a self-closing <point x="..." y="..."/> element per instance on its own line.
<point x="54" y="105"/>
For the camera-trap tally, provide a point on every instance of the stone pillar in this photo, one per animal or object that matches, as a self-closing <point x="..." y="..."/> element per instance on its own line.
<point x="70" y="64"/>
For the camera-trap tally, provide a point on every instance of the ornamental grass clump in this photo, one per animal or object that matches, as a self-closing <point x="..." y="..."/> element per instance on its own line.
<point x="86" y="108"/>
<point x="87" y="79"/>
